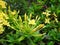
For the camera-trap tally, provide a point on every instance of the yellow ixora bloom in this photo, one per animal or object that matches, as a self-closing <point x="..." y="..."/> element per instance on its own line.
<point x="32" y="22"/>
<point x="25" y="17"/>
<point x="3" y="18"/>
<point x="47" y="20"/>
<point x="37" y="18"/>
<point x="55" y="17"/>
<point x="37" y="28"/>
<point x="20" y="19"/>
<point x="56" y="20"/>
<point x="3" y="15"/>
<point x="2" y="3"/>
<point x="46" y="13"/>
<point x="1" y="29"/>
<point x="5" y="23"/>
<point x="13" y="12"/>
<point x="1" y="21"/>
<point x="54" y="14"/>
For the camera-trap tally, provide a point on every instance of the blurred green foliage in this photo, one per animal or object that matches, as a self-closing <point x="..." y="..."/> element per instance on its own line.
<point x="34" y="6"/>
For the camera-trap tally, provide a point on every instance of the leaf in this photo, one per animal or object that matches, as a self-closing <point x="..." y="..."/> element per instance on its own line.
<point x="51" y="43"/>
<point x="21" y="38"/>
<point x="42" y="43"/>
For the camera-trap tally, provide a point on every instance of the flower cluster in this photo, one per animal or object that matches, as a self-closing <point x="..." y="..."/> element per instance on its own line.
<point x="3" y="21"/>
<point x="25" y="24"/>
<point x="47" y="19"/>
<point x="2" y="4"/>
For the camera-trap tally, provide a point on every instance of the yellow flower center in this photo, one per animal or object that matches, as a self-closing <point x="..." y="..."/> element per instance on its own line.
<point x="32" y="22"/>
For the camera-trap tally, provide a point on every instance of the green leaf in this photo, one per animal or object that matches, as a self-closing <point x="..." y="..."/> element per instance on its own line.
<point x="42" y="43"/>
<point x="21" y="38"/>
<point x="51" y="43"/>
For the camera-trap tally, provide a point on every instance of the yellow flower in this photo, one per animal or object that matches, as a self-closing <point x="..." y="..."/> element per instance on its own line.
<point x="37" y="28"/>
<point x="25" y="17"/>
<point x="13" y="12"/>
<point x="2" y="3"/>
<point x="36" y="17"/>
<point x="32" y="22"/>
<point x="47" y="13"/>
<point x="47" y="20"/>
<point x="1" y="29"/>
<point x="4" y="15"/>
<point x="5" y="23"/>
<point x="20" y="18"/>
<point x="1" y="21"/>
<point x="56" y="20"/>
<point x="1" y="16"/>
<point x="54" y="14"/>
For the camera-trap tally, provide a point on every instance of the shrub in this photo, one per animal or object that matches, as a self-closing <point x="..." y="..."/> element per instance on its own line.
<point x="43" y="29"/>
